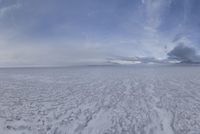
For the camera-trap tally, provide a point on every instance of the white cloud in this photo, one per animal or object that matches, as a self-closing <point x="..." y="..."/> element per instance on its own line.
<point x="134" y="33"/>
<point x="5" y="10"/>
<point x="154" y="11"/>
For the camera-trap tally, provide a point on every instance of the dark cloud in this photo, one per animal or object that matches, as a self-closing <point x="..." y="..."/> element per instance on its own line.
<point x="184" y="54"/>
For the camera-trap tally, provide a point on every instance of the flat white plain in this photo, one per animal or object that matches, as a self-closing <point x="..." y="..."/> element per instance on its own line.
<point x="100" y="100"/>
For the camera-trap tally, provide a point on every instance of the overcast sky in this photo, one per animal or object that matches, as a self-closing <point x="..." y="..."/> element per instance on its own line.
<point x="65" y="32"/>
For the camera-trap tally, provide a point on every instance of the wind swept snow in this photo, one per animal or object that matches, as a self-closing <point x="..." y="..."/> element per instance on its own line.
<point x="100" y="100"/>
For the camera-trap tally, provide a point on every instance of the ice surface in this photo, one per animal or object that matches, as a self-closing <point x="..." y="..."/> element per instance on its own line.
<point x="100" y="100"/>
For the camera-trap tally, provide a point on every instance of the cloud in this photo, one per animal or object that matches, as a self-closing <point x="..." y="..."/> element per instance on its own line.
<point x="179" y="54"/>
<point x="155" y="9"/>
<point x="137" y="60"/>
<point x="68" y="32"/>
<point x="8" y="8"/>
<point x="184" y="54"/>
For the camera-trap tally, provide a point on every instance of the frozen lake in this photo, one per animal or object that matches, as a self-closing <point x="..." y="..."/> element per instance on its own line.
<point x="100" y="100"/>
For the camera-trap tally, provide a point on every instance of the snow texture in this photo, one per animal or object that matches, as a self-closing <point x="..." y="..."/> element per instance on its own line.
<point x="100" y="100"/>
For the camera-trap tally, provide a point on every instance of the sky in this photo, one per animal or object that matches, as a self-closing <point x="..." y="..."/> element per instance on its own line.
<point x="68" y="32"/>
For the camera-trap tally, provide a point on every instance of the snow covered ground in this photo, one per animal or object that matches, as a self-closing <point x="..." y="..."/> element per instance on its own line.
<point x="100" y="100"/>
